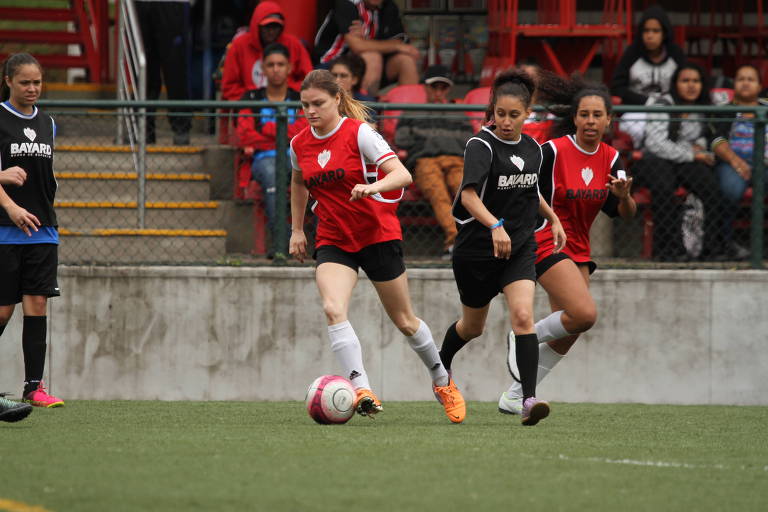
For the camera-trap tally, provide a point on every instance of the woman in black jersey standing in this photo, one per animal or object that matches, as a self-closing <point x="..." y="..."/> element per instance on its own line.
<point x="495" y="250"/>
<point x="28" y="235"/>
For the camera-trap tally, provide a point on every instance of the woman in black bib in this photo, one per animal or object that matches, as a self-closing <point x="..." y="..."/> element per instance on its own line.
<point x="495" y="250"/>
<point x="28" y="229"/>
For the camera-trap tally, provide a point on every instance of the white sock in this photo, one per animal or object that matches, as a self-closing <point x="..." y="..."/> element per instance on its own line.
<point x="349" y="354"/>
<point x="551" y="328"/>
<point x="548" y="358"/>
<point x="424" y="345"/>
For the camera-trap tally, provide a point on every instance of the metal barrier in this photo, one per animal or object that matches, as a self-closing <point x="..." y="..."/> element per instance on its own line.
<point x="191" y="217"/>
<point x="132" y="85"/>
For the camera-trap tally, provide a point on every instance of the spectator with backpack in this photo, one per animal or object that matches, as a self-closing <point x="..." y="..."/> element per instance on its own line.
<point x="257" y="127"/>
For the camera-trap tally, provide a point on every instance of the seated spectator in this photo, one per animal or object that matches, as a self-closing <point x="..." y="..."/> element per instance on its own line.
<point x="348" y="70"/>
<point x="734" y="146"/>
<point x="373" y="30"/>
<point x="435" y="147"/>
<point x="243" y="67"/>
<point x="645" y="69"/>
<point x="257" y="128"/>
<point x="676" y="154"/>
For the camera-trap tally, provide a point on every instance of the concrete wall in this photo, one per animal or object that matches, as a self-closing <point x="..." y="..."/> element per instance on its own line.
<point x="210" y="333"/>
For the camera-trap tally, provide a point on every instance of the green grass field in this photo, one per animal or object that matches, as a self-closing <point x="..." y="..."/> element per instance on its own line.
<point x="181" y="456"/>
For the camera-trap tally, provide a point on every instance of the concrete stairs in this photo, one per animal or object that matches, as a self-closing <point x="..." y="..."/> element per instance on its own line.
<point x="96" y="204"/>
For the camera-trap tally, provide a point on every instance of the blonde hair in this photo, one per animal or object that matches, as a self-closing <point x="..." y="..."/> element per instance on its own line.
<point x="348" y="106"/>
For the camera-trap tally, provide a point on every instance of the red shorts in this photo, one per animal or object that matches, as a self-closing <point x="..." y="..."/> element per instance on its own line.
<point x="546" y="257"/>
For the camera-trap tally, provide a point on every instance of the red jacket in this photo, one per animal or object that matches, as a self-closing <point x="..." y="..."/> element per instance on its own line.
<point x="242" y="65"/>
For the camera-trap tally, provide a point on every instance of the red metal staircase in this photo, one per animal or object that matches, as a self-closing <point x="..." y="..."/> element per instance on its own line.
<point x="90" y="19"/>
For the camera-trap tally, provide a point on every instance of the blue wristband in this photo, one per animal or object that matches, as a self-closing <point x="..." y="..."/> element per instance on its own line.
<point x="498" y="224"/>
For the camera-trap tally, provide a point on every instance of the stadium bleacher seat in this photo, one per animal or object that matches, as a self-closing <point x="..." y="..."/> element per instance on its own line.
<point x="477" y="96"/>
<point x="413" y="93"/>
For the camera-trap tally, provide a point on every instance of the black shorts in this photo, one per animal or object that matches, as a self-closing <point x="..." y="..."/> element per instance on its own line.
<point x="553" y="259"/>
<point x="380" y="262"/>
<point x="28" y="269"/>
<point x="480" y="279"/>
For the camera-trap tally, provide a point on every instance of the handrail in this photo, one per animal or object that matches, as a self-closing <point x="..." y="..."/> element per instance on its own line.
<point x="195" y="105"/>
<point x="132" y="85"/>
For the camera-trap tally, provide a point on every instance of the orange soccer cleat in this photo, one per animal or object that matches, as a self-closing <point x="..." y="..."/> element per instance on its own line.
<point x="366" y="403"/>
<point x="453" y="402"/>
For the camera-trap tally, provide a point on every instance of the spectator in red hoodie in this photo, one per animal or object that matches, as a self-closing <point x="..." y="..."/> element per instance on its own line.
<point x="257" y="129"/>
<point x="243" y="67"/>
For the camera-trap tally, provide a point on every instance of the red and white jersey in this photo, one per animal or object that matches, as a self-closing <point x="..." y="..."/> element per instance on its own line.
<point x="574" y="183"/>
<point x="331" y="165"/>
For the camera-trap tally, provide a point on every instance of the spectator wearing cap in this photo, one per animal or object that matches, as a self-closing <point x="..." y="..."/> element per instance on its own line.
<point x="243" y="62"/>
<point x="373" y="30"/>
<point x="435" y="146"/>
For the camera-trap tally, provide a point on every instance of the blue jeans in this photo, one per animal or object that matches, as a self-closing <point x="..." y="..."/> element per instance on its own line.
<point x="733" y="187"/>
<point x="263" y="170"/>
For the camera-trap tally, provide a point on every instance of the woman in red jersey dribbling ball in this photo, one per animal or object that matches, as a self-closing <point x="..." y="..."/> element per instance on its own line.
<point x="357" y="227"/>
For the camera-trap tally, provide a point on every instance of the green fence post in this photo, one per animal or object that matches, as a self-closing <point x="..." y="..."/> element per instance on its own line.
<point x="280" y="242"/>
<point x="758" y="191"/>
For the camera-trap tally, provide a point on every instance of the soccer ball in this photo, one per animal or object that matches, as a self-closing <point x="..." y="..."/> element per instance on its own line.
<point x="331" y="399"/>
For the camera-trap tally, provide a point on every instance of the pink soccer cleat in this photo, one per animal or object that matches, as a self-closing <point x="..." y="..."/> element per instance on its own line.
<point x="41" y="398"/>
<point x="534" y="410"/>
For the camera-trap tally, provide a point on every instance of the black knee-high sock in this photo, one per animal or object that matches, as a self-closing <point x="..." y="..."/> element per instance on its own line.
<point x="452" y="343"/>
<point x="33" y="345"/>
<point x="527" y="354"/>
<point x="2" y="328"/>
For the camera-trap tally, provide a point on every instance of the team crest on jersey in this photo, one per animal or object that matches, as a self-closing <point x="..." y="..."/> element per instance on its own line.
<point x="323" y="157"/>
<point x="517" y="161"/>
<point x="30" y="133"/>
<point x="587" y="175"/>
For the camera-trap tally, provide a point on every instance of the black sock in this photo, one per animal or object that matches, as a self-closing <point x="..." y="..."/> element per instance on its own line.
<point x="527" y="354"/>
<point x="452" y="343"/>
<point x="2" y="328"/>
<point x="33" y="345"/>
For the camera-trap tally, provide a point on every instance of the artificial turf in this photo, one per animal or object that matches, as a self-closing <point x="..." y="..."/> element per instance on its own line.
<point x="182" y="456"/>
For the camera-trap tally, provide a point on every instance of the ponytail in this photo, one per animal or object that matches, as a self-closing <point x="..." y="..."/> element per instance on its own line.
<point x="352" y="108"/>
<point x="348" y="106"/>
<point x="11" y="67"/>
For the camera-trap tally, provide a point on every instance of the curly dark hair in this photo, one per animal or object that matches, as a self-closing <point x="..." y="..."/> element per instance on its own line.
<point x="562" y="96"/>
<point x="513" y="82"/>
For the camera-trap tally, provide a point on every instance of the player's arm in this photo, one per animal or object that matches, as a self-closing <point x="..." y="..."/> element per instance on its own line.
<point x="297" y="246"/>
<point x="397" y="176"/>
<point x="19" y="216"/>
<point x="621" y="188"/>
<point x="558" y="233"/>
<point x="375" y="150"/>
<point x="502" y="244"/>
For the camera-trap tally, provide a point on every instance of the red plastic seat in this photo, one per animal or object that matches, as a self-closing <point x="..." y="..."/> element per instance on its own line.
<point x="478" y="96"/>
<point x="413" y="93"/>
<point x="721" y="95"/>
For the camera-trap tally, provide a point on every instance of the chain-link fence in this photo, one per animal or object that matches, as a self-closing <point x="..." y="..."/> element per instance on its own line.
<point x="207" y="202"/>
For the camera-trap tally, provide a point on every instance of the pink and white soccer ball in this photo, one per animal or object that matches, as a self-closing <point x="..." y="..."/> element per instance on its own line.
<point x="331" y="399"/>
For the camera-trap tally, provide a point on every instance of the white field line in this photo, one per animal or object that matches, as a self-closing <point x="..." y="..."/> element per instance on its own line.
<point x="653" y="463"/>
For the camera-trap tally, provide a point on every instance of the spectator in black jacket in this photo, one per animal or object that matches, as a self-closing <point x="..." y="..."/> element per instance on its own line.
<point x="676" y="154"/>
<point x="647" y="65"/>
<point x="435" y="147"/>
